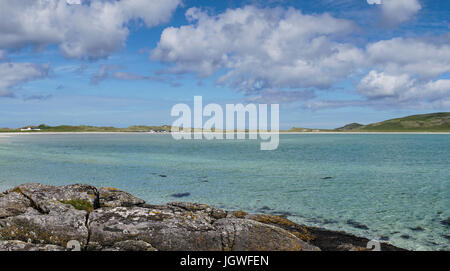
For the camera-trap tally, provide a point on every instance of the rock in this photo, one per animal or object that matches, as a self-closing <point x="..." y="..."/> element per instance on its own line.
<point x="130" y="245"/>
<point x="264" y="209"/>
<point x="46" y="197"/>
<point x="357" y="225"/>
<point x="56" y="216"/>
<point x="111" y="197"/>
<point x="351" y="247"/>
<point x="417" y="228"/>
<point x="215" y="213"/>
<point x="181" y="195"/>
<point x="446" y="222"/>
<point x="327" y="178"/>
<point x="15" y="245"/>
<point x="13" y="203"/>
<point x="249" y="235"/>
<point x="55" y="228"/>
<point x="164" y="229"/>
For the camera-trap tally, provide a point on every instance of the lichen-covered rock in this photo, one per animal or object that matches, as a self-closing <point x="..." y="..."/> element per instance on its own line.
<point x="164" y="229"/>
<point x="248" y="235"/>
<point x="48" y="198"/>
<point x="56" y="228"/>
<point x="215" y="213"/>
<point x="130" y="245"/>
<point x="12" y="204"/>
<point x="111" y="197"/>
<point x="16" y="245"/>
<point x="52" y="215"/>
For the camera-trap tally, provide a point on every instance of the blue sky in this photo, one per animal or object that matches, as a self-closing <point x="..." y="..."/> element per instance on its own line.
<point x="120" y="63"/>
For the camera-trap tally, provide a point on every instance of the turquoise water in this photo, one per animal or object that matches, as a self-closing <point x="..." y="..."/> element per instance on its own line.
<point x="398" y="186"/>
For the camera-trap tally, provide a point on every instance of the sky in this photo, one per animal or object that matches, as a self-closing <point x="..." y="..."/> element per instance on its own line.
<point x="120" y="63"/>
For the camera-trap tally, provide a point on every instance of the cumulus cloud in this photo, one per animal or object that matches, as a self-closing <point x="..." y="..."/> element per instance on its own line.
<point x="402" y="88"/>
<point x="283" y="55"/>
<point x="380" y="85"/>
<point x="261" y="48"/>
<point x="397" y="11"/>
<point x="91" y="29"/>
<point x="382" y="90"/>
<point x="411" y="56"/>
<point x="13" y="74"/>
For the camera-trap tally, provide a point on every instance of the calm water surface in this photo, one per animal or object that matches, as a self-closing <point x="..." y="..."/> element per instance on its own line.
<point x="398" y="186"/>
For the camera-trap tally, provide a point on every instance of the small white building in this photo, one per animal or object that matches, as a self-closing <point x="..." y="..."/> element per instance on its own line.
<point x="29" y="129"/>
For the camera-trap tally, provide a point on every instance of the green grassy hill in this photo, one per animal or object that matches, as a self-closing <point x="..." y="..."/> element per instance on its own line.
<point x="351" y="126"/>
<point x="435" y="122"/>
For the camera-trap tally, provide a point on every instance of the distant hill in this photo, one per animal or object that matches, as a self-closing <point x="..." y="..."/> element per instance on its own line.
<point x="350" y="126"/>
<point x="435" y="122"/>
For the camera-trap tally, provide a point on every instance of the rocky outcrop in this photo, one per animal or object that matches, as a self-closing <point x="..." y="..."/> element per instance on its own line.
<point x="38" y="217"/>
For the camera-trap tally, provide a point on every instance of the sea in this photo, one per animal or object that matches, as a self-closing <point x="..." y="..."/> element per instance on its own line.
<point x="389" y="187"/>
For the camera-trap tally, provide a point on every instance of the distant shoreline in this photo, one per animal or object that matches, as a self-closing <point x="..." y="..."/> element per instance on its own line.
<point x="168" y="133"/>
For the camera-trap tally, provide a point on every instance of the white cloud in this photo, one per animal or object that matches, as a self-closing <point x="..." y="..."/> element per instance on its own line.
<point x="380" y="85"/>
<point x="397" y="11"/>
<point x="13" y="74"/>
<point x="92" y="29"/>
<point x="402" y="90"/>
<point x="280" y="55"/>
<point x="415" y="57"/>
<point x="261" y="48"/>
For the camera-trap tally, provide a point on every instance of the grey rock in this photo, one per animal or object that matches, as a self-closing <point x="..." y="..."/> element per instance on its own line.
<point x="48" y="198"/>
<point x="51" y="216"/>
<point x="53" y="228"/>
<point x="248" y="235"/>
<point x="130" y="245"/>
<point x="12" y="204"/>
<point x="215" y="213"/>
<point x="16" y="245"/>
<point x="164" y="229"/>
<point x="111" y="197"/>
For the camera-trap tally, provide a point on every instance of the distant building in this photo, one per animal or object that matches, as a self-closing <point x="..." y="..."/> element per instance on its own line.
<point x="29" y="129"/>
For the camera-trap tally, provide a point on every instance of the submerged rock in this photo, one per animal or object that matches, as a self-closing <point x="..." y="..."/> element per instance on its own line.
<point x="38" y="217"/>
<point x="357" y="225"/>
<point x="181" y="195"/>
<point x="446" y="222"/>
